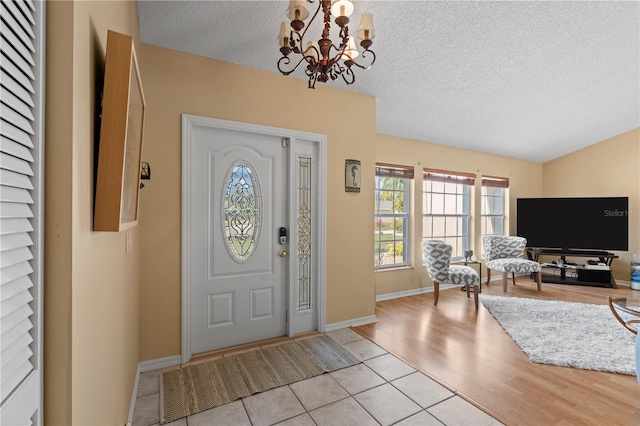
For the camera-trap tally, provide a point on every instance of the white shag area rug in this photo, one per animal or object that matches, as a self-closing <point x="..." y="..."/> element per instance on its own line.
<point x="566" y="333"/>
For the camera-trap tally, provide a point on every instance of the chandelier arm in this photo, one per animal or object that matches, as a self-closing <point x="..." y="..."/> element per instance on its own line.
<point x="311" y="21"/>
<point x="286" y="61"/>
<point x="312" y="80"/>
<point x="344" y="35"/>
<point x="348" y="76"/>
<point x="296" y="45"/>
<point x="340" y="51"/>
<point x="313" y="61"/>
<point x="318" y="55"/>
<point x="364" y="55"/>
<point x="337" y="68"/>
<point x="311" y="70"/>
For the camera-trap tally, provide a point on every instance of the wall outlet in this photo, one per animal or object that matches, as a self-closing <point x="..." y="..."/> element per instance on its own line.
<point x="129" y="243"/>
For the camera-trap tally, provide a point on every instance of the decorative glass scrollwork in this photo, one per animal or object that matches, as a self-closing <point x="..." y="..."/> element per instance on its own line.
<point x="304" y="234"/>
<point x="242" y="211"/>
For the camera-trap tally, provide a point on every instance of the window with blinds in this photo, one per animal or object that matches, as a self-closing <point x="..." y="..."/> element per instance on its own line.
<point x="21" y="206"/>
<point x="446" y="208"/>
<point x="392" y="215"/>
<point x="493" y="204"/>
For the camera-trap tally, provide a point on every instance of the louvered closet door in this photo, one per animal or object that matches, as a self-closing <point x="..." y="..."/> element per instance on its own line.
<point x="21" y="187"/>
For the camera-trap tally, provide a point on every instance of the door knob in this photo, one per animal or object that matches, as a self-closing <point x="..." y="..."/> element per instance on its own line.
<point x="282" y="253"/>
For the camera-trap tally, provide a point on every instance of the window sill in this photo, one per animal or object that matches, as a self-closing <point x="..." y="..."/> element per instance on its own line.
<point x="397" y="268"/>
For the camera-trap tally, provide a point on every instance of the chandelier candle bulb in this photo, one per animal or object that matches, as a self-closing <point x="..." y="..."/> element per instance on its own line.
<point x="297" y="10"/>
<point x="283" y="37"/>
<point x="351" y="51"/>
<point x="342" y="8"/>
<point x="312" y="50"/>
<point x="365" y="29"/>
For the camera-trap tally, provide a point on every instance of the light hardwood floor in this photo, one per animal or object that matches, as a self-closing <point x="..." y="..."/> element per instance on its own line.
<point x="469" y="352"/>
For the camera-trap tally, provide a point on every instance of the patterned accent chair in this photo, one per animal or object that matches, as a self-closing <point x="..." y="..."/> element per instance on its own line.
<point x="437" y="256"/>
<point x="505" y="254"/>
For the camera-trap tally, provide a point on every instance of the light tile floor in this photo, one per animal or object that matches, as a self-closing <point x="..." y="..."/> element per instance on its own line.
<point x="383" y="390"/>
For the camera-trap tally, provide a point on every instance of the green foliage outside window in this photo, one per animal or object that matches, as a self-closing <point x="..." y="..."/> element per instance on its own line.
<point x="387" y="187"/>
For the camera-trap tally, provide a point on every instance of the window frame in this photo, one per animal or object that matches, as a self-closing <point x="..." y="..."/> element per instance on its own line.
<point x="394" y="172"/>
<point x="464" y="187"/>
<point x="493" y="182"/>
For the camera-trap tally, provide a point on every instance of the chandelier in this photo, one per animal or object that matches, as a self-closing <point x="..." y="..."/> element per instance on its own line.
<point x="323" y="59"/>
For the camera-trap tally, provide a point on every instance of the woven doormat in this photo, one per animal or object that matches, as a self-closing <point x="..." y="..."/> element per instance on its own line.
<point x="199" y="387"/>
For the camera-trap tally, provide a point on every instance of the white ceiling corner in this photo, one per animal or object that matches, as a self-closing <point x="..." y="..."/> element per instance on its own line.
<point x="532" y="80"/>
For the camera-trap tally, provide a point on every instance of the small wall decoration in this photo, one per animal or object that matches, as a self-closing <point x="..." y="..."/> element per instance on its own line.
<point x="352" y="176"/>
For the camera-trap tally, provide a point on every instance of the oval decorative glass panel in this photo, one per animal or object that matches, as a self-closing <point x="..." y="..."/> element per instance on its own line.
<point x="242" y="211"/>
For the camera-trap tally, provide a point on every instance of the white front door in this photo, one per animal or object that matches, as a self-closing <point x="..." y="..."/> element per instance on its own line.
<point x="236" y="264"/>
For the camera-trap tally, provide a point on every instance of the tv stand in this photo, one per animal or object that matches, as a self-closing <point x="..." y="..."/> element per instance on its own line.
<point x="585" y="276"/>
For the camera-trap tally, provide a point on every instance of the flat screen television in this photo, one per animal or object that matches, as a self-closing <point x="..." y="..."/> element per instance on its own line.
<point x="574" y="223"/>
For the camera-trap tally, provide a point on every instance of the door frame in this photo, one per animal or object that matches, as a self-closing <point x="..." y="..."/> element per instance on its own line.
<point x="319" y="213"/>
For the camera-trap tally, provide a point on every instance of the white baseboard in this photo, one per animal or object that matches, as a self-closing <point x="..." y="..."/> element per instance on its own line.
<point x="351" y="323"/>
<point x="152" y="364"/>
<point x="156" y="364"/>
<point x="624" y="283"/>
<point x="134" y="395"/>
<point x="415" y="291"/>
<point x="496" y="276"/>
<point x="404" y="293"/>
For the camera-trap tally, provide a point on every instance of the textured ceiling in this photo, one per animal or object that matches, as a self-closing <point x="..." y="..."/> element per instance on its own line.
<point x="530" y="80"/>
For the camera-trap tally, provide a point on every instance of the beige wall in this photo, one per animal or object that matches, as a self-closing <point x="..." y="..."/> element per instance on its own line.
<point x="525" y="180"/>
<point x="91" y="284"/>
<point x="177" y="83"/>
<point x="606" y="169"/>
